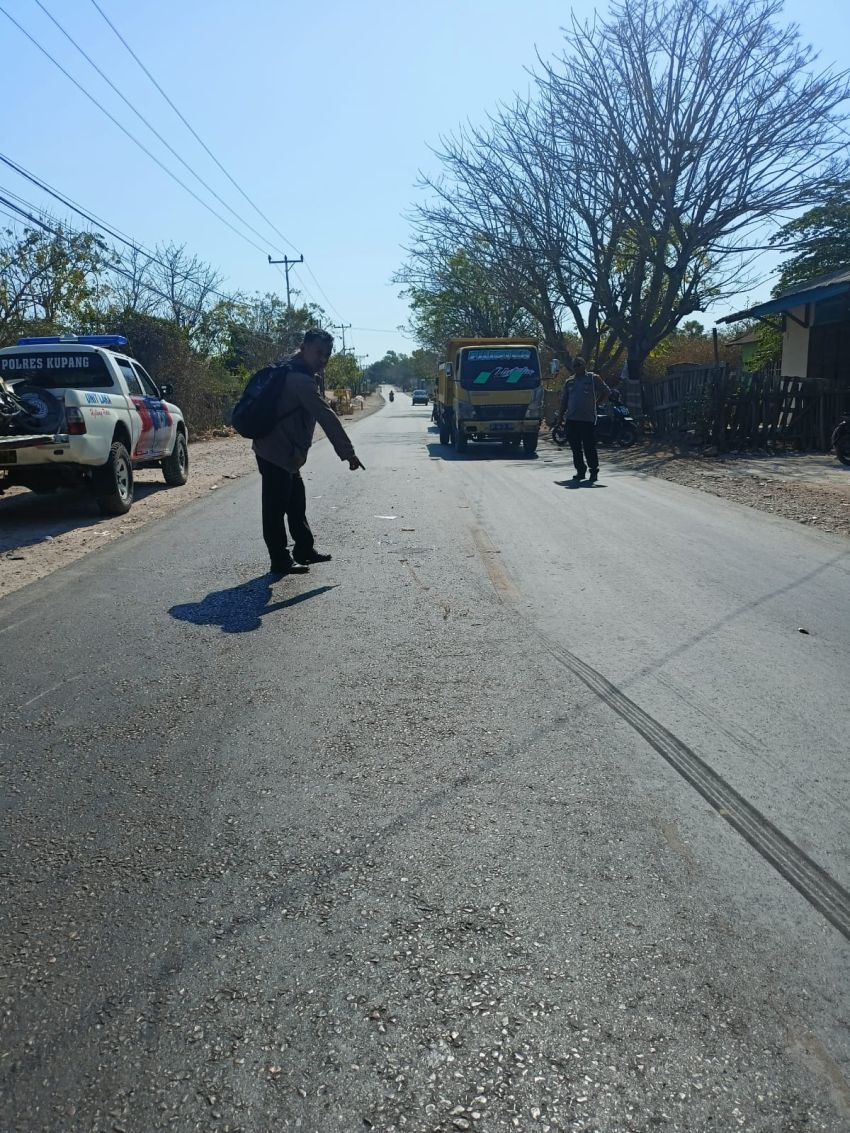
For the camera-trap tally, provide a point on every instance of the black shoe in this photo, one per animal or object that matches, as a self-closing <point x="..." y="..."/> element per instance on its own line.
<point x="579" y="476"/>
<point x="312" y="557"/>
<point x="594" y="476"/>
<point x="287" y="568"/>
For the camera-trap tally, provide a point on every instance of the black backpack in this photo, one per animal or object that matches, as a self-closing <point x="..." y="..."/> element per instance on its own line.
<point x="255" y="413"/>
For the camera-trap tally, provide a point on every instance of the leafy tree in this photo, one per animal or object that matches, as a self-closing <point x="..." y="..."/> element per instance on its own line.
<point x="342" y="372"/>
<point x="769" y="350"/>
<point x="262" y="329"/>
<point x="457" y="296"/>
<point x="819" y="240"/>
<point x="819" y="243"/>
<point x="49" y="283"/>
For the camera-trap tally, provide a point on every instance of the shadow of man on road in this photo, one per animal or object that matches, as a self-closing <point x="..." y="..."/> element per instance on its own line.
<point x="240" y="609"/>
<point x="578" y="484"/>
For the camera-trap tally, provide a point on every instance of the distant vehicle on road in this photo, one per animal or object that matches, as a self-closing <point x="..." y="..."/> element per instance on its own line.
<point x="77" y="411"/>
<point x="419" y="397"/>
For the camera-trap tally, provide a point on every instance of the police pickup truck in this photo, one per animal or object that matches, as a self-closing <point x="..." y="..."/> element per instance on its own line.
<point x="76" y="410"/>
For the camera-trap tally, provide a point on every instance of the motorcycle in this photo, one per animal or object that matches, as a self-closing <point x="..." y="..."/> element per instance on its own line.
<point x="614" y="424"/>
<point x="392" y="395"/>
<point x="841" y="439"/>
<point x="28" y="409"/>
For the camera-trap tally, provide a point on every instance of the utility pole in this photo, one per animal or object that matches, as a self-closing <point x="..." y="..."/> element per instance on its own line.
<point x="343" y="327"/>
<point x="287" y="264"/>
<point x="359" y="359"/>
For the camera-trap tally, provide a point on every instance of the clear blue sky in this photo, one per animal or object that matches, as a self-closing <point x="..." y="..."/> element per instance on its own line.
<point x="324" y="113"/>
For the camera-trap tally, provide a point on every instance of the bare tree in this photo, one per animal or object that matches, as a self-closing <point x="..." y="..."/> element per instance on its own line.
<point x="702" y="123"/>
<point x="185" y="283"/>
<point x="480" y="207"/>
<point x="635" y="186"/>
<point x="133" y="288"/>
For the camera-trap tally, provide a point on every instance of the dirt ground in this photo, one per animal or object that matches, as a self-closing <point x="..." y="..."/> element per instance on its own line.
<point x="811" y="488"/>
<point x="40" y="534"/>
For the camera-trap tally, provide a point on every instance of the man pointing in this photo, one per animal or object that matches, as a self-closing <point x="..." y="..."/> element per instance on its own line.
<point x="283" y="452"/>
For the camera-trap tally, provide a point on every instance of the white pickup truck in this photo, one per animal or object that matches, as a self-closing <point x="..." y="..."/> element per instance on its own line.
<point x="77" y="410"/>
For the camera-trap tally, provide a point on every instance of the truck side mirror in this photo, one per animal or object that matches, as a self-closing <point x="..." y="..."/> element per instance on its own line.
<point x="555" y="366"/>
<point x="448" y="369"/>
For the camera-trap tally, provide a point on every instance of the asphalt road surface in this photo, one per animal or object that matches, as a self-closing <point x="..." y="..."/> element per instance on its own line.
<point x="529" y="811"/>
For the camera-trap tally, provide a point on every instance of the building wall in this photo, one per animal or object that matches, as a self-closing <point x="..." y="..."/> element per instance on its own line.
<point x="795" y="346"/>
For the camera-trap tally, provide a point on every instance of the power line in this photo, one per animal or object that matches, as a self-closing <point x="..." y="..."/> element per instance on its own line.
<point x="383" y="330"/>
<point x="94" y="220"/>
<point x="112" y="267"/>
<point x="309" y="294"/>
<point x="207" y="149"/>
<point x="104" y="226"/>
<point x="143" y="119"/>
<point x="321" y="291"/>
<point x="193" y="132"/>
<point x="62" y="236"/>
<point x="131" y="136"/>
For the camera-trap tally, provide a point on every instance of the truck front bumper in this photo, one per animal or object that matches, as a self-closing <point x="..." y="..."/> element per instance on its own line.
<point x="498" y="430"/>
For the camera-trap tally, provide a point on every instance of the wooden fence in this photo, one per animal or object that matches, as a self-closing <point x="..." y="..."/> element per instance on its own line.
<point x="733" y="409"/>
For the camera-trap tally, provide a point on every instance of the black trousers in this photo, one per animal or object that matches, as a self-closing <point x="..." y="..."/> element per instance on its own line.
<point x="284" y="502"/>
<point x="582" y="438"/>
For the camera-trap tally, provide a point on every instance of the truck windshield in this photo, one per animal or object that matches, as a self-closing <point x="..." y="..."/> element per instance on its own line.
<point x="500" y="367"/>
<point x="57" y="369"/>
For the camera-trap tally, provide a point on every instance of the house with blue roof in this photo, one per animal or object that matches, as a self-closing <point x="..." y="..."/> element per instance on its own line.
<point x="815" y="322"/>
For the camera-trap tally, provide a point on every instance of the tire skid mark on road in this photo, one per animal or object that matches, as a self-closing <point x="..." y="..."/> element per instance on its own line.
<point x="501" y="580"/>
<point x="821" y="890"/>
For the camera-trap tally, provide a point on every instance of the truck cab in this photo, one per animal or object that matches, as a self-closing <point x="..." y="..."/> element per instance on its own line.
<point x="489" y="389"/>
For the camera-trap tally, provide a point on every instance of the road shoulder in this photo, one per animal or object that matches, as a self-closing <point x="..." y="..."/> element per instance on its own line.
<point x="809" y="488"/>
<point x="42" y="534"/>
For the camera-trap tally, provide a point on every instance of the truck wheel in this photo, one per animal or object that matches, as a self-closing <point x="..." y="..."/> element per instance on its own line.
<point x="175" y="468"/>
<point x="459" y="441"/>
<point x="445" y="430"/>
<point x="529" y="443"/>
<point x="113" y="482"/>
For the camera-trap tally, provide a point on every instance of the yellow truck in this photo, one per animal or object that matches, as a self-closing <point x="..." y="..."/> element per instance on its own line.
<point x="489" y="389"/>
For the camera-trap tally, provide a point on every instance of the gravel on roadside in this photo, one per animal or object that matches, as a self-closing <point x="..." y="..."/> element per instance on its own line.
<point x="810" y="488"/>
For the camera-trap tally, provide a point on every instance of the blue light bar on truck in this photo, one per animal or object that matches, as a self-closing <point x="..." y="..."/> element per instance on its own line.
<point x="108" y="340"/>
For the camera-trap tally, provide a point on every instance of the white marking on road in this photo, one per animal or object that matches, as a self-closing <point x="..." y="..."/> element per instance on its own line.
<point x="54" y="688"/>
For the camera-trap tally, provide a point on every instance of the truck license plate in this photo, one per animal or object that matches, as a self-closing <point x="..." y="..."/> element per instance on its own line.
<point x="10" y="456"/>
<point x="502" y="425"/>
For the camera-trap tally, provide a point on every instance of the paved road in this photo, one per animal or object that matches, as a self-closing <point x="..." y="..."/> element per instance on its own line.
<point x="529" y="811"/>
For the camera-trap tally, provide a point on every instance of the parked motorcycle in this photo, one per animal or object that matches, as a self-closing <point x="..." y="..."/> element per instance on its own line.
<point x="614" y="425"/>
<point x="841" y="440"/>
